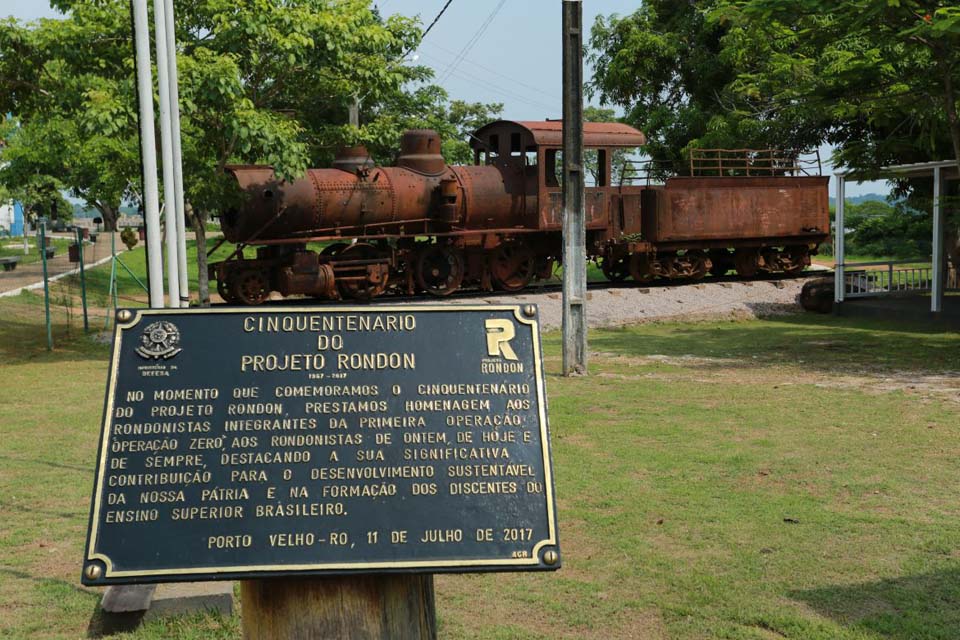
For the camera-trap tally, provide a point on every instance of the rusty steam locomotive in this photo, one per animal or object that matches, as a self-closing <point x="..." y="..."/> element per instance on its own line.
<point x="425" y="226"/>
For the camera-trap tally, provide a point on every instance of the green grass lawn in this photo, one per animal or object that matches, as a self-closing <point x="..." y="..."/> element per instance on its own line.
<point x="13" y="247"/>
<point x="786" y="478"/>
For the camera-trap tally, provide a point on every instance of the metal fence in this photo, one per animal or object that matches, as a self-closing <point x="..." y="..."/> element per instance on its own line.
<point x="892" y="277"/>
<point x="55" y="285"/>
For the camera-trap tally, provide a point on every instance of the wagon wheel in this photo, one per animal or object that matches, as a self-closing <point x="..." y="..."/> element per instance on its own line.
<point x="616" y="269"/>
<point x="377" y="275"/>
<point x="721" y="263"/>
<point x="250" y="286"/>
<point x="700" y="264"/>
<point x="512" y="265"/>
<point x="746" y="262"/>
<point x="794" y="260"/>
<point x="439" y="270"/>
<point x="641" y="269"/>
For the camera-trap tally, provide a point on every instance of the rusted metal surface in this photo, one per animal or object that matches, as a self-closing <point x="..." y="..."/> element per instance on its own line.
<point x="420" y="152"/>
<point x="549" y="133"/>
<point x="352" y="159"/>
<point x="703" y="209"/>
<point x="426" y="226"/>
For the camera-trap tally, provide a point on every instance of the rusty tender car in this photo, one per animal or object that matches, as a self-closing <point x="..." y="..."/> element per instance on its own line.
<point x="425" y="226"/>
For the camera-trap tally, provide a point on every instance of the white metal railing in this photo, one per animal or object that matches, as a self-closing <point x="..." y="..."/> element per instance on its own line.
<point x="890" y="277"/>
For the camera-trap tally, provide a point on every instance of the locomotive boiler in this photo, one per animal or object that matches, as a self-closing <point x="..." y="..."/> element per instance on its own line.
<point x="357" y="230"/>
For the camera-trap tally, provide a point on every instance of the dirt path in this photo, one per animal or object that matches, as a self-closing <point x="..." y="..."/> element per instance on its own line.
<point x="31" y="275"/>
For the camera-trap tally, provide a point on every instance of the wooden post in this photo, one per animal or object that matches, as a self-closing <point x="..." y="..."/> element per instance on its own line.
<point x="365" y="607"/>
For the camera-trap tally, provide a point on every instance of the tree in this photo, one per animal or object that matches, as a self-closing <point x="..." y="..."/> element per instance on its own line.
<point x="670" y="66"/>
<point x="261" y="81"/>
<point x="428" y="107"/>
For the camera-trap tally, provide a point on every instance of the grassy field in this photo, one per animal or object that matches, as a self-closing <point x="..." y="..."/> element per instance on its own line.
<point x="785" y="478"/>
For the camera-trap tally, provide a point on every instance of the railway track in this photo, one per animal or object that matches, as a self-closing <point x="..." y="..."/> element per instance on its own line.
<point x="556" y="287"/>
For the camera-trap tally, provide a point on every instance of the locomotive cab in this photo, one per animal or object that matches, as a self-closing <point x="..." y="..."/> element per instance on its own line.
<point x="534" y="150"/>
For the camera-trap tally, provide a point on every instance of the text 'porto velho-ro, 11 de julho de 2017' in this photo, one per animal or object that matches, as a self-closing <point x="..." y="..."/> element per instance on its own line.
<point x="242" y="443"/>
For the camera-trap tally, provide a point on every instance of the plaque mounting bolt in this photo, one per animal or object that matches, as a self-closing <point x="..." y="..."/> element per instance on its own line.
<point x="550" y="557"/>
<point x="124" y="315"/>
<point x="93" y="571"/>
<point x="529" y="310"/>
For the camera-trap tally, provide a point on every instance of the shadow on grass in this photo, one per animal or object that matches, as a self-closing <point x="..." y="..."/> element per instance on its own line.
<point x="25" y="340"/>
<point x="58" y="590"/>
<point x="925" y="606"/>
<point x="826" y="343"/>
<point x="47" y="463"/>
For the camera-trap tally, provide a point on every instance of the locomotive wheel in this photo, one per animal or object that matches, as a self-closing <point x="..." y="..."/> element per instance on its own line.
<point x="223" y="288"/>
<point x="439" y="270"/>
<point x="641" y="269"/>
<point x="617" y="269"/>
<point x="250" y="287"/>
<point x="512" y="266"/>
<point x="334" y="249"/>
<point x="746" y="262"/>
<point x="377" y="276"/>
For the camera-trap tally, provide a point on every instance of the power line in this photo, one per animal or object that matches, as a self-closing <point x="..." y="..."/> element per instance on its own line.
<point x="427" y="30"/>
<point x="555" y="96"/>
<point x="501" y="90"/>
<point x="473" y="41"/>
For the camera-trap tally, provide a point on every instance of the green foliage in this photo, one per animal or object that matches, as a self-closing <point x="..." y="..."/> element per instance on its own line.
<point x="877" y="79"/>
<point x="428" y="107"/>
<point x="261" y="82"/>
<point x="880" y="229"/>
<point x="672" y="69"/>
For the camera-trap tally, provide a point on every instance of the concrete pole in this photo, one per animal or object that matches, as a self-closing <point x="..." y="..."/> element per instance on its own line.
<point x="148" y="151"/>
<point x="166" y="144"/>
<point x="936" y="299"/>
<point x="171" y="33"/>
<point x="574" y="223"/>
<point x="838" y="243"/>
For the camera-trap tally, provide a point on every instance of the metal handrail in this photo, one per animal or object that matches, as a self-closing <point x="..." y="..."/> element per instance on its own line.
<point x="752" y="162"/>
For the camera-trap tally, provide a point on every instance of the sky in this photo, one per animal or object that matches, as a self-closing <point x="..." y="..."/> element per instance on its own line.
<point x="509" y="51"/>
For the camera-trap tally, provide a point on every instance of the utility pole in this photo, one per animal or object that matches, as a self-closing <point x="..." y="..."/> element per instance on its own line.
<point x="574" y="223"/>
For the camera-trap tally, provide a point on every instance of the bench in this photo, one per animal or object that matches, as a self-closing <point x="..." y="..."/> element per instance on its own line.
<point x="9" y="263"/>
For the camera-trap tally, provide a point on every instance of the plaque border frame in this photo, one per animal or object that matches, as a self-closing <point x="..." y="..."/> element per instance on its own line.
<point x="111" y="576"/>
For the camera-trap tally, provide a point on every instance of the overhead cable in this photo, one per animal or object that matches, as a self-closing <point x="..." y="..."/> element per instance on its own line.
<point x="473" y="41"/>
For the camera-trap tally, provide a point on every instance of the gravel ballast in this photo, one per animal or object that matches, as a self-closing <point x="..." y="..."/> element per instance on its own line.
<point x="618" y="306"/>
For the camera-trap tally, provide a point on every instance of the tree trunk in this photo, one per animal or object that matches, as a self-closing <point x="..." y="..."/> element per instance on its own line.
<point x="110" y="216"/>
<point x="199" y="221"/>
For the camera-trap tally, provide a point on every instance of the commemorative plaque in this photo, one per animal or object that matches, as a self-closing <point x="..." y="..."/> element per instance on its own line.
<point x="243" y="443"/>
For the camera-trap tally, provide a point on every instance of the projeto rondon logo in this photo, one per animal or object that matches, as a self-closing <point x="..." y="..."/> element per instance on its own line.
<point x="499" y="335"/>
<point x="160" y="340"/>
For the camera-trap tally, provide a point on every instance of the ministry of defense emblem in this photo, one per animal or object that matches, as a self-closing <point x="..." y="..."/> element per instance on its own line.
<point x="159" y="340"/>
